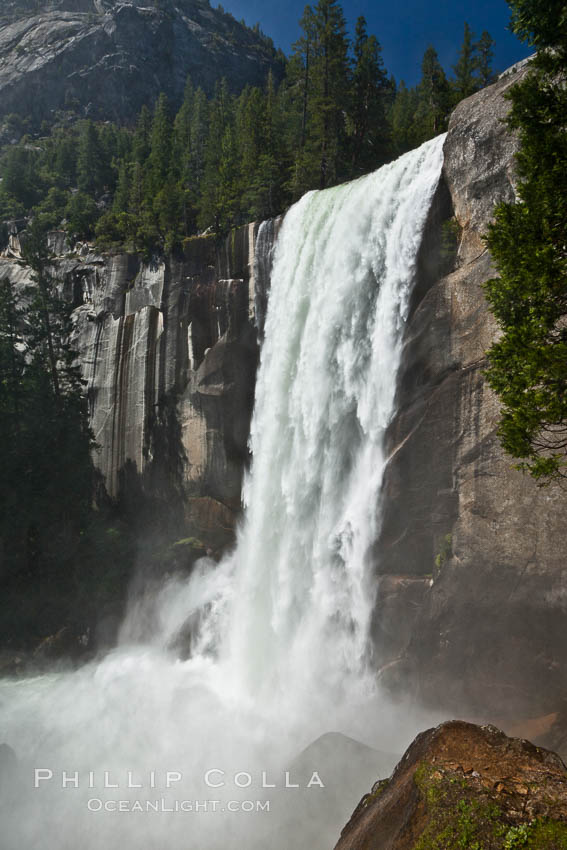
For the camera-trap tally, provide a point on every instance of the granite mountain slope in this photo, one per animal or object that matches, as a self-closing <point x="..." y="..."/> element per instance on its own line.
<point x="104" y="59"/>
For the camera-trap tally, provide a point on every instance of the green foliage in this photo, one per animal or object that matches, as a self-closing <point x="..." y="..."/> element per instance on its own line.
<point x="47" y="473"/>
<point x="457" y="820"/>
<point x="528" y="364"/>
<point x="218" y="200"/>
<point x="82" y="214"/>
<point x="540" y="24"/>
<point x="405" y="134"/>
<point x="160" y="157"/>
<point x="318" y="81"/>
<point x="517" y="836"/>
<point x="547" y="834"/>
<point x="90" y="160"/>
<point x="52" y="209"/>
<point x="450" y="238"/>
<point x="330" y="78"/>
<point x="21" y="184"/>
<point x="444" y="553"/>
<point x="484" y="47"/>
<point x="465" y="77"/>
<point x="191" y="542"/>
<point x="434" y="97"/>
<point x="473" y="70"/>
<point x="462" y="816"/>
<point x="371" y="96"/>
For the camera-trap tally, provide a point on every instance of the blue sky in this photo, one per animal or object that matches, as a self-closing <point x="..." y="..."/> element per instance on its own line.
<point x="405" y="29"/>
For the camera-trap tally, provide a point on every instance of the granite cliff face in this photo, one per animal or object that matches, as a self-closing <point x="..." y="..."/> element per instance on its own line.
<point x="472" y="611"/>
<point x="106" y="58"/>
<point x="169" y="352"/>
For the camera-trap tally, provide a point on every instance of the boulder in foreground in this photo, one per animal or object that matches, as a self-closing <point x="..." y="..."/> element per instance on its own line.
<point x="465" y="787"/>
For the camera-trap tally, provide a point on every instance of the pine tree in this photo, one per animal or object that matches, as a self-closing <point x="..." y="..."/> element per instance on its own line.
<point x="198" y="139"/>
<point x="465" y="82"/>
<point x="141" y="142"/>
<point x="331" y="89"/>
<point x="109" y="144"/>
<point x="46" y="487"/>
<point x="251" y="141"/>
<point x="12" y="362"/>
<point x="259" y="133"/>
<point x="273" y="160"/>
<point x="90" y="161"/>
<point x="121" y="200"/>
<point x="405" y="133"/>
<point x="181" y="153"/>
<point x="226" y="208"/>
<point x="82" y="215"/>
<point x="298" y="97"/>
<point x="212" y="209"/>
<point x="37" y="256"/>
<point x="65" y="164"/>
<point x="304" y="51"/>
<point x="528" y="364"/>
<point x="319" y="87"/>
<point x="136" y="197"/>
<point x="161" y="139"/>
<point x="370" y="92"/>
<point x="484" y="63"/>
<point x="168" y="207"/>
<point x="542" y="25"/>
<point x="434" y="97"/>
<point x="21" y="182"/>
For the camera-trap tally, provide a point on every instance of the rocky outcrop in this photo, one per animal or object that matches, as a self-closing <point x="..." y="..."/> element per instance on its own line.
<point x="105" y="59"/>
<point x="169" y="350"/>
<point x="461" y="785"/>
<point x="312" y="816"/>
<point x="483" y="601"/>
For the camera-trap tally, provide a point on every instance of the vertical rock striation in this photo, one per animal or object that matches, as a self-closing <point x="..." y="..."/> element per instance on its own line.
<point x="169" y="352"/>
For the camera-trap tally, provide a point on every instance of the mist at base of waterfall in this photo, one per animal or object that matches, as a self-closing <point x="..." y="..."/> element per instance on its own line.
<point x="278" y="632"/>
<point x="139" y="714"/>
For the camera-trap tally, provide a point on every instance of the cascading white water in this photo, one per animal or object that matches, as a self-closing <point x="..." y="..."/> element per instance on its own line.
<point x="281" y="652"/>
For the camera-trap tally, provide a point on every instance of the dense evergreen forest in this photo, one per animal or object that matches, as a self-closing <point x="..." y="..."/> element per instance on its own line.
<point x="223" y="161"/>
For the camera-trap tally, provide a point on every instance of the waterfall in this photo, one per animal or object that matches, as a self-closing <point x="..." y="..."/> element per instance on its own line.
<point x="279" y="631"/>
<point x="262" y="271"/>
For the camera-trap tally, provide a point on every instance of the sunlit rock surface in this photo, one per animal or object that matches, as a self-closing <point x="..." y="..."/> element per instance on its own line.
<point x="104" y="59"/>
<point x="487" y="632"/>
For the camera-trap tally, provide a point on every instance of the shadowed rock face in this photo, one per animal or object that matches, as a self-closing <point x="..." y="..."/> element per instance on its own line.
<point x="106" y="58"/>
<point x="310" y="816"/>
<point x="486" y="632"/>
<point x="169" y="352"/>
<point x="461" y="785"/>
